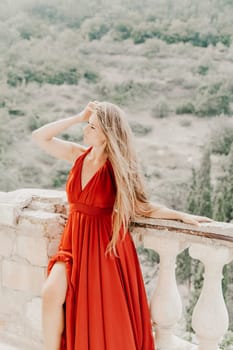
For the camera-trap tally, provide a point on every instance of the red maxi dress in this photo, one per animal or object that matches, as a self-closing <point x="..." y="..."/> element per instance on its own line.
<point x="106" y="306"/>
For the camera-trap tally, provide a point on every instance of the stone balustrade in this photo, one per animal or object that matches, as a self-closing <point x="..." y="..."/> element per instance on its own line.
<point x="31" y="223"/>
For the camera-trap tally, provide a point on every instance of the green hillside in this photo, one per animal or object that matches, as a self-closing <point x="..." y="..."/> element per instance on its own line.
<point x="155" y="57"/>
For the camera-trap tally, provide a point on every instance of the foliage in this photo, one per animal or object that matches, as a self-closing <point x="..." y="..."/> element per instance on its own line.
<point x="140" y="129"/>
<point x="183" y="267"/>
<point x="161" y="109"/>
<point x="91" y="76"/>
<point x="227" y="341"/>
<point x="210" y="100"/>
<point x="122" y="31"/>
<point x="203" y="70"/>
<point x="186" y="108"/>
<point x="222" y="138"/>
<point x="195" y="38"/>
<point x="223" y="200"/>
<point x="96" y="33"/>
<point x="196" y="279"/>
<point x="123" y="92"/>
<point x="217" y="202"/>
<point x="151" y="255"/>
<point x="16" y="112"/>
<point x="60" y="178"/>
<point x="200" y="196"/>
<point x="213" y="100"/>
<point x="69" y="76"/>
<point x="95" y="28"/>
<point x="35" y="122"/>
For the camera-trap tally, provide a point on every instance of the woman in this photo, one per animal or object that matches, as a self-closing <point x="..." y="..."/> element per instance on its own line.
<point x="94" y="297"/>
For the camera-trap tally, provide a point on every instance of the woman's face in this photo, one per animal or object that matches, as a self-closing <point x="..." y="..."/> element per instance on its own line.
<point x="92" y="132"/>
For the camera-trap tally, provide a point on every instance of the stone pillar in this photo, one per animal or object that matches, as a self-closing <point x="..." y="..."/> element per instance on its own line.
<point x="210" y="316"/>
<point x="166" y="304"/>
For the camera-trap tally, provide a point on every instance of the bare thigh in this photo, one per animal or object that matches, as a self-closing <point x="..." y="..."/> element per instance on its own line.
<point x="55" y="286"/>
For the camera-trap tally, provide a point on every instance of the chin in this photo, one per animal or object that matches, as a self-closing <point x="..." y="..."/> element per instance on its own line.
<point x="85" y="141"/>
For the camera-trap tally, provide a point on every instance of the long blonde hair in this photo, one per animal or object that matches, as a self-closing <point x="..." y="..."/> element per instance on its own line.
<point x="131" y="196"/>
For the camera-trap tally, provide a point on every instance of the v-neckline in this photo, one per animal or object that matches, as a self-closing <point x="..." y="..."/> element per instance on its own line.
<point x="93" y="176"/>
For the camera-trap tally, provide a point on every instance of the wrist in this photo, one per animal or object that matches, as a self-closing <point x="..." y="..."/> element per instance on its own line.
<point x="78" y="118"/>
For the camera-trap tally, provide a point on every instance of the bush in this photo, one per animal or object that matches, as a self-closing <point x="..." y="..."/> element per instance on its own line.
<point x="60" y="178"/>
<point x="209" y="105"/>
<point x="122" y="31"/>
<point x="34" y="122"/>
<point x="223" y="204"/>
<point x="96" y="33"/>
<point x="213" y="100"/>
<point x="186" y="108"/>
<point x="16" y="112"/>
<point x="91" y="76"/>
<point x="161" y="109"/>
<point x="222" y="139"/>
<point x="199" y="200"/>
<point x="141" y="33"/>
<point x="203" y="70"/>
<point x="227" y="341"/>
<point x="14" y="79"/>
<point x="69" y="76"/>
<point x="47" y="12"/>
<point x="140" y="129"/>
<point x="123" y="92"/>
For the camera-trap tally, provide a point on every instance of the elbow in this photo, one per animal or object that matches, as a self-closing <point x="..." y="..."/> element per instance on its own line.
<point x="35" y="136"/>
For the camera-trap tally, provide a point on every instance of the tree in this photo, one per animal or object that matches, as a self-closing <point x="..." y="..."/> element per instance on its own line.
<point x="199" y="199"/>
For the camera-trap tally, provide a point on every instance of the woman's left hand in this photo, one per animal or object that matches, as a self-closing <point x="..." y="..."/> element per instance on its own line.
<point x="194" y="219"/>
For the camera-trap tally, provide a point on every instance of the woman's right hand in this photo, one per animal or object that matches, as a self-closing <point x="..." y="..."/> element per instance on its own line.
<point x="87" y="111"/>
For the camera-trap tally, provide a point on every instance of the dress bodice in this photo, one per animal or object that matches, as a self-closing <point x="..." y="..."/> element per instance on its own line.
<point x="100" y="191"/>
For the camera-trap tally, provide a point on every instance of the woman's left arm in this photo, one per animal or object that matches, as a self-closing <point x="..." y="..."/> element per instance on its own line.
<point x="162" y="212"/>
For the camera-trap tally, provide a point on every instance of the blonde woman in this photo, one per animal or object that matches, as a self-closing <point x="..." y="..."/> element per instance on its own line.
<point x="94" y="297"/>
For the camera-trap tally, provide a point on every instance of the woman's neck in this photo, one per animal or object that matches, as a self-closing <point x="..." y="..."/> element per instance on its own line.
<point x="97" y="154"/>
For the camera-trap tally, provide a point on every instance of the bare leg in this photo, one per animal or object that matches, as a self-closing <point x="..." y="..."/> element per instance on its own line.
<point x="53" y="298"/>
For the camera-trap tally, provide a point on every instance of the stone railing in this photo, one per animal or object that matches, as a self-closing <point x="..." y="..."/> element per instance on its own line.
<point x="212" y="244"/>
<point x="31" y="223"/>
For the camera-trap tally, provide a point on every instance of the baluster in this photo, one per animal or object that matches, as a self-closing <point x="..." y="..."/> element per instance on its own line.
<point x="166" y="305"/>
<point x="210" y="317"/>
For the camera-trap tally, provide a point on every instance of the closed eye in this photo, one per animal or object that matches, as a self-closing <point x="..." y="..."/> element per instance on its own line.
<point x="92" y="126"/>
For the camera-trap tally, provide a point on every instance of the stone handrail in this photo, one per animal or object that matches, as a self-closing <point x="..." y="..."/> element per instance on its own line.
<point x="210" y="243"/>
<point x="31" y="224"/>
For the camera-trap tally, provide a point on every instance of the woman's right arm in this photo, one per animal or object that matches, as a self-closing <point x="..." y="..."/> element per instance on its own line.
<point x="45" y="136"/>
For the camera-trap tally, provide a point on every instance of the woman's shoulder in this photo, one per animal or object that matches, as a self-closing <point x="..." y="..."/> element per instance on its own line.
<point x="78" y="151"/>
<point x="78" y="154"/>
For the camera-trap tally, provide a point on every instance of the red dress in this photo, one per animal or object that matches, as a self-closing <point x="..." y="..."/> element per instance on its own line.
<point x="106" y="306"/>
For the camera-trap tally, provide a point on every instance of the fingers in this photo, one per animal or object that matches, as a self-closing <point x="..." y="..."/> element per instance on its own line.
<point x="92" y="105"/>
<point x="204" y="219"/>
<point x="194" y="222"/>
<point x="191" y="221"/>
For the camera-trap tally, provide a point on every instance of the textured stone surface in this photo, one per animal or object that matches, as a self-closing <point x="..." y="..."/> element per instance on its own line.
<point x="21" y="276"/>
<point x="33" y="313"/>
<point x="7" y="239"/>
<point x="33" y="249"/>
